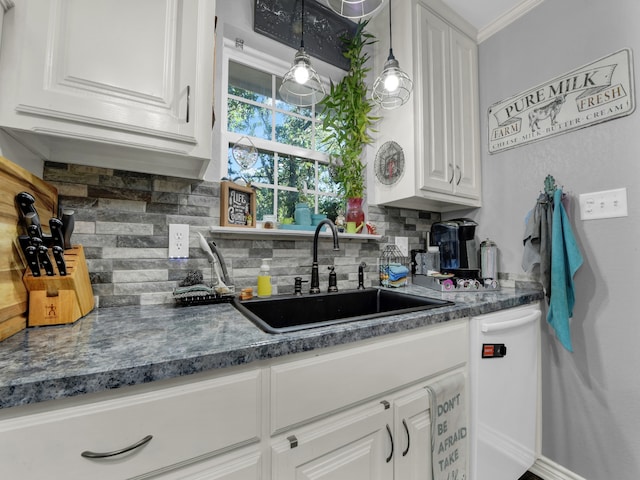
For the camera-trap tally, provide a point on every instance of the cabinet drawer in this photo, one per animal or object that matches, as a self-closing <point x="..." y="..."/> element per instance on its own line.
<point x="185" y="422"/>
<point x="306" y="389"/>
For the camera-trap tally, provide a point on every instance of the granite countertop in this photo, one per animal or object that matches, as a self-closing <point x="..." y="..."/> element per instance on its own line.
<point x="120" y="346"/>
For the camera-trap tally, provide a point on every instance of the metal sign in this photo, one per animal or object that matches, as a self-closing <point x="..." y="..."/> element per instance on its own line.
<point x="595" y="93"/>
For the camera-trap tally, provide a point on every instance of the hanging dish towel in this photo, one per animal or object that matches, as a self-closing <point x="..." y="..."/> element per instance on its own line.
<point x="537" y="241"/>
<point x="448" y="427"/>
<point x="566" y="259"/>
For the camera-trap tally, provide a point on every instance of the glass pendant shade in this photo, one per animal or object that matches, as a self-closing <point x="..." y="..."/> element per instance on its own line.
<point x="355" y="9"/>
<point x="393" y="87"/>
<point x="301" y="85"/>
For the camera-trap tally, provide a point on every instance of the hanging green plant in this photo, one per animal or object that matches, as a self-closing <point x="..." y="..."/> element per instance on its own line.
<point x="347" y="118"/>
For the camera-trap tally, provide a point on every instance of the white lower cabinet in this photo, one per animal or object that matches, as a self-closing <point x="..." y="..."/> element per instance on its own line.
<point x="412" y="421"/>
<point x="359" y="411"/>
<point x="354" y="446"/>
<point x="386" y="439"/>
<point x="185" y="423"/>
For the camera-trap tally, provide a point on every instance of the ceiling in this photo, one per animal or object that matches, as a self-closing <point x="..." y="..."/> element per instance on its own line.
<point x="487" y="16"/>
<point x="490" y="16"/>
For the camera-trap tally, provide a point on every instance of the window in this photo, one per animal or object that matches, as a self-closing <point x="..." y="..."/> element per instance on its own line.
<point x="288" y="141"/>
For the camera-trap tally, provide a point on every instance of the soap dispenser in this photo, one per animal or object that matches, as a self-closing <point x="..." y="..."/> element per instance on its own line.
<point x="264" y="279"/>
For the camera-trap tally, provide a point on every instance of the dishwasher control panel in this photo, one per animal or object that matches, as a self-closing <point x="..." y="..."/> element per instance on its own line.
<point x="494" y="350"/>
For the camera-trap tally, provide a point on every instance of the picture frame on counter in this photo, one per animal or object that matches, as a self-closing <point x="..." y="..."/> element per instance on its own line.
<point x="237" y="205"/>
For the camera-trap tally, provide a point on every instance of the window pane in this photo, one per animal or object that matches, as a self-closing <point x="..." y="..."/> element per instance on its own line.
<point x="286" y="204"/>
<point x="330" y="206"/>
<point x="282" y="105"/>
<point x="261" y="172"/>
<point x="292" y="130"/>
<point x="326" y="184"/>
<point x="249" y="83"/>
<point x="248" y="119"/>
<point x="322" y="143"/>
<point x="292" y="171"/>
<point x="264" y="202"/>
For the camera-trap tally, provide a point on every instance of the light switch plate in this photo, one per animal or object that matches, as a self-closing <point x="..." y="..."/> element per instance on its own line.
<point x="178" y="240"/>
<point x="605" y="204"/>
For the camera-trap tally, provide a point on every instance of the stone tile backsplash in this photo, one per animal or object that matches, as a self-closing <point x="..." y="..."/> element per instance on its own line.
<point x="123" y="218"/>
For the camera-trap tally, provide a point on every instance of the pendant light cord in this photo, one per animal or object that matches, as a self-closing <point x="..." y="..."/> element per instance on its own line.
<point x="302" y="26"/>
<point x="390" y="34"/>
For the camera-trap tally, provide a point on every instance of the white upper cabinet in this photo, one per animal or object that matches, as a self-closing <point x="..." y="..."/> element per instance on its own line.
<point x="131" y="82"/>
<point x="438" y="129"/>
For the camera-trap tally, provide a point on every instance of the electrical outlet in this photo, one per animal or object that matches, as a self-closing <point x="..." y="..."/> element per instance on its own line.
<point x="606" y="204"/>
<point x="178" y="240"/>
<point x="403" y="245"/>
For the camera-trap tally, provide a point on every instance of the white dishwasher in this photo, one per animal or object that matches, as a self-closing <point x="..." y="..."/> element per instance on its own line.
<point x="504" y="364"/>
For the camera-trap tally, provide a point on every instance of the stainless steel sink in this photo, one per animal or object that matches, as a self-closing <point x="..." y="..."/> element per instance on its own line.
<point x="288" y="313"/>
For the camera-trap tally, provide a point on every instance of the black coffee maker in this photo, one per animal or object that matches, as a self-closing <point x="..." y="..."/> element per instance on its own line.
<point x="458" y="249"/>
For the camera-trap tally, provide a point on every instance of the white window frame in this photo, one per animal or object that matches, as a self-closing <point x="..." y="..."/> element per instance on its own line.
<point x="272" y="66"/>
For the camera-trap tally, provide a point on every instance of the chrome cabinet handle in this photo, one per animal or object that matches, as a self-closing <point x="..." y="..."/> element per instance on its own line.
<point x="406" y="429"/>
<point x="90" y="454"/>
<point x="188" y="100"/>
<point x="453" y="173"/>
<point x="460" y="177"/>
<point x="390" y="438"/>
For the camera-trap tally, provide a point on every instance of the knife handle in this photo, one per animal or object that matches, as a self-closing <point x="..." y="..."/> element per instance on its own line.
<point x="25" y="203"/>
<point x="32" y="222"/>
<point x="57" y="236"/>
<point x="31" y="253"/>
<point x="58" y="256"/>
<point x="45" y="261"/>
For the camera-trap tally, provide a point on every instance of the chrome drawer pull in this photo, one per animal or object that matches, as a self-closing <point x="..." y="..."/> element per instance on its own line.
<point x="90" y="454"/>
<point x="390" y="438"/>
<point x="406" y="429"/>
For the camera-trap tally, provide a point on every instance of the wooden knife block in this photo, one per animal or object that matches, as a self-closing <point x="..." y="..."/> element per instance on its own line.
<point x="59" y="299"/>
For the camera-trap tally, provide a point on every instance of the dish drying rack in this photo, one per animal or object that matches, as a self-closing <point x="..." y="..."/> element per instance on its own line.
<point x="193" y="291"/>
<point x="393" y="267"/>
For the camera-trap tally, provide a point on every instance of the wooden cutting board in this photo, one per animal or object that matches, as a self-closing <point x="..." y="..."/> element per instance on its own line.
<point x="13" y="293"/>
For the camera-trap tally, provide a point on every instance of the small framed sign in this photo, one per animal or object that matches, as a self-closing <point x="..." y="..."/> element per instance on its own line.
<point x="237" y="205"/>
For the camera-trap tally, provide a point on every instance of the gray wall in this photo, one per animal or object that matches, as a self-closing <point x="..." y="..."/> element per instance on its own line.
<point x="591" y="398"/>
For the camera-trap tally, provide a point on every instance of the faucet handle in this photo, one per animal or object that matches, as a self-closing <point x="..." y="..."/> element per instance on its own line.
<point x="297" y="289"/>
<point x="361" y="268"/>
<point x="333" y="279"/>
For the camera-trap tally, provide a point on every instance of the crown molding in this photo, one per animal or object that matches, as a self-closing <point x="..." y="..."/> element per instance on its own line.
<point x="506" y="18"/>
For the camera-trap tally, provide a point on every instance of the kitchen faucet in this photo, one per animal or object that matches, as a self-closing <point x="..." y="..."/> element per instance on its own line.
<point x="315" y="278"/>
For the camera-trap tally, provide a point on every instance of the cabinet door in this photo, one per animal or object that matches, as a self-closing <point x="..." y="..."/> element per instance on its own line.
<point x="412" y="436"/>
<point x="353" y="446"/>
<point x="437" y="166"/>
<point x="116" y="64"/>
<point x="464" y="116"/>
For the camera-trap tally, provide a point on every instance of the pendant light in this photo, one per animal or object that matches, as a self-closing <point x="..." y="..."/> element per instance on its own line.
<point x="355" y="9"/>
<point x="393" y="87"/>
<point x="301" y="85"/>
